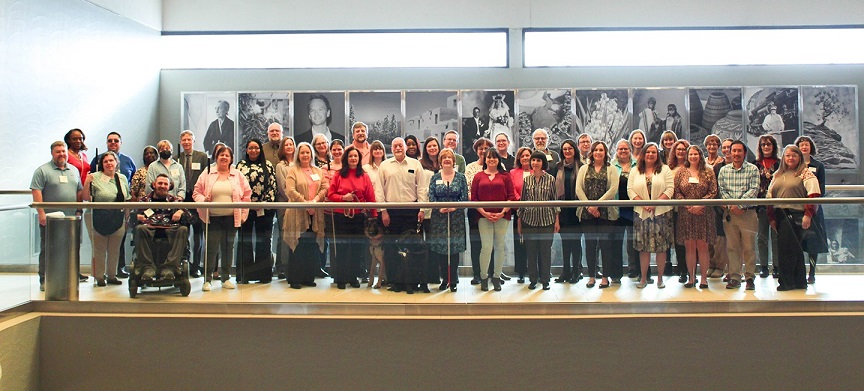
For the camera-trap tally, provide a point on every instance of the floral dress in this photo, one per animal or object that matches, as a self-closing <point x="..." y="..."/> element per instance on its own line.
<point x="595" y="187"/>
<point x="691" y="226"/>
<point x="443" y="192"/>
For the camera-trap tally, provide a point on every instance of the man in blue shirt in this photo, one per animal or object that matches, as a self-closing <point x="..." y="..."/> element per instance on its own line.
<point x="54" y="181"/>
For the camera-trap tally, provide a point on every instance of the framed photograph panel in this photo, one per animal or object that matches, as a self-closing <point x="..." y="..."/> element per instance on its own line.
<point x="550" y="109"/>
<point x="603" y="114"/>
<point x="485" y="113"/>
<point x="829" y="116"/>
<point x="257" y="110"/>
<point x="210" y="116"/>
<point x="380" y="111"/>
<point x="318" y="112"/>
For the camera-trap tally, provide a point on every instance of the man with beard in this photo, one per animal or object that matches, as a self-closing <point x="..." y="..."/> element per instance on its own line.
<point x="359" y="132"/>
<point x="54" y="181"/>
<point x="154" y="223"/>
<point x="271" y="147"/>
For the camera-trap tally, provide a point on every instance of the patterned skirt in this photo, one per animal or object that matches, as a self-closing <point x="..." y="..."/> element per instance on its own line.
<point x="653" y="235"/>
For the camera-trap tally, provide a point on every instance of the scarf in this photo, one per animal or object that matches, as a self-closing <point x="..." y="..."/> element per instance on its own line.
<point x="559" y="177"/>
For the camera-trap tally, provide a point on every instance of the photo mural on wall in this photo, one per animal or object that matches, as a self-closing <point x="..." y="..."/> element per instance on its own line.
<point x="257" y="110"/>
<point x="602" y="114"/>
<point x="380" y="111"/>
<point x="210" y="116"/>
<point x="430" y="114"/>
<point x="773" y="111"/>
<point x="549" y="109"/>
<point x="715" y="111"/>
<point x="829" y="117"/>
<point x="317" y="113"/>
<point x="485" y="114"/>
<point x="656" y="110"/>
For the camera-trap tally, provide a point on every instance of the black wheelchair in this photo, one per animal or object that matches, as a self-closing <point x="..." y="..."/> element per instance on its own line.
<point x="160" y="249"/>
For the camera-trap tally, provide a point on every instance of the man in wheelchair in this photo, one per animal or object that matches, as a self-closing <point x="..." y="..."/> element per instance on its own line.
<point x="160" y="223"/>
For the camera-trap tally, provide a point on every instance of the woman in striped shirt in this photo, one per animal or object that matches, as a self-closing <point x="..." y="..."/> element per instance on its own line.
<point x="537" y="224"/>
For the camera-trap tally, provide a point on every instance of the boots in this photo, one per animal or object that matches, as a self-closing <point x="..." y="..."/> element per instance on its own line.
<point x="496" y="284"/>
<point x="484" y="284"/>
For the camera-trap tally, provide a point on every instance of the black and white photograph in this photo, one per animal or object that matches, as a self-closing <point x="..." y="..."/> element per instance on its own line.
<point x="843" y="241"/>
<point x="210" y="116"/>
<point x="319" y="113"/>
<point x="715" y="111"/>
<point x="770" y="110"/>
<point x="431" y="113"/>
<point x="380" y="111"/>
<point x="602" y="114"/>
<point x="257" y="110"/>
<point x="548" y="109"/>
<point x="656" y="110"/>
<point x="829" y="116"/>
<point x="485" y="114"/>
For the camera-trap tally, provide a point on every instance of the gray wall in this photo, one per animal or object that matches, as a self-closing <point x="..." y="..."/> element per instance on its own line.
<point x="67" y="64"/>
<point x="679" y="352"/>
<point x="19" y="353"/>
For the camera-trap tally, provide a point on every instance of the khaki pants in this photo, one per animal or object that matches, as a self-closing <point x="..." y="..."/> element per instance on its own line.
<point x="741" y="244"/>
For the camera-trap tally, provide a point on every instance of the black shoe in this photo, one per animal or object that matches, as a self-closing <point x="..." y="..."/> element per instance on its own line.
<point x="484" y="285"/>
<point x="340" y="285"/>
<point x="195" y="274"/>
<point x="775" y="273"/>
<point x="308" y="284"/>
<point x="521" y="279"/>
<point x="122" y="274"/>
<point x="576" y="278"/>
<point x="783" y="288"/>
<point x="532" y="285"/>
<point x="650" y="280"/>
<point x="452" y="287"/>
<point x="295" y="286"/>
<point x="751" y="286"/>
<point x="764" y="272"/>
<point x="100" y="282"/>
<point x="409" y="289"/>
<point x="505" y="277"/>
<point x="565" y="277"/>
<point x="682" y="279"/>
<point x="394" y="288"/>
<point x="545" y="286"/>
<point x="475" y="281"/>
<point x="733" y="284"/>
<point x="281" y="276"/>
<point x="425" y="288"/>
<point x="364" y="280"/>
<point x="355" y="284"/>
<point x="114" y="281"/>
<point x="321" y="273"/>
<point x="82" y="278"/>
<point x="633" y="275"/>
<point x="443" y="286"/>
<point x="811" y="280"/>
<point x="496" y="284"/>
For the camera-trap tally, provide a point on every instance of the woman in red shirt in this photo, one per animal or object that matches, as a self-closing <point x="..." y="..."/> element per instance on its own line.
<point x="349" y="184"/>
<point x="492" y="184"/>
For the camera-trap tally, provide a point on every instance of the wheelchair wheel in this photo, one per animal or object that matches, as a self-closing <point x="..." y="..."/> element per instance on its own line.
<point x="185" y="287"/>
<point x="133" y="287"/>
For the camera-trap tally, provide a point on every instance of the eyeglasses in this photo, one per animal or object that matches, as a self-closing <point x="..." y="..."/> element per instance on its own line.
<point x="765" y="144"/>
<point x="539" y="138"/>
<point x="320" y="143"/>
<point x="113" y="140"/>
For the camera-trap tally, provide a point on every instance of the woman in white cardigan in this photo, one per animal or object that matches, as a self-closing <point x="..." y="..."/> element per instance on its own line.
<point x="652" y="225"/>
<point x="598" y="180"/>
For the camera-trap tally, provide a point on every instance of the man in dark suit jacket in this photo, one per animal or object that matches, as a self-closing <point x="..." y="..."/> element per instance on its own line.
<point x="193" y="163"/>
<point x="221" y="129"/>
<point x="476" y="126"/>
<point x="319" y="117"/>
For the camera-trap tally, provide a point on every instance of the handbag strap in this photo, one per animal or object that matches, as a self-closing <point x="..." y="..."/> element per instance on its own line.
<point x="119" y="197"/>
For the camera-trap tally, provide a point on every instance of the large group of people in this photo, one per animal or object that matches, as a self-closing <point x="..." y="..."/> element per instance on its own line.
<point x="737" y="242"/>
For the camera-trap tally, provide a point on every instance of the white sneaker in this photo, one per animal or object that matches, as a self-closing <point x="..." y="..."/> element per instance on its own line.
<point x="206" y="287"/>
<point x="228" y="285"/>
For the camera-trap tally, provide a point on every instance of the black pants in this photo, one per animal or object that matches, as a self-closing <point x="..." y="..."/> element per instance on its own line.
<point x="598" y="243"/>
<point x="401" y="220"/>
<point x="520" y="258"/>
<point x="449" y="272"/>
<point x="791" y="259"/>
<point x="303" y="261"/>
<point x="538" y="245"/>
<point x="349" y="246"/>
<point x="255" y="260"/>
<point x="195" y="252"/>
<point x="571" y="249"/>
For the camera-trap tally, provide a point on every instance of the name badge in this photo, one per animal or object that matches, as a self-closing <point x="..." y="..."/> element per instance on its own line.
<point x="315" y="177"/>
<point x="439" y="182"/>
<point x="526" y="174"/>
<point x="148" y="213"/>
<point x="175" y="172"/>
<point x="693" y="180"/>
<point x="63" y="179"/>
<point x="196" y="166"/>
<point x="455" y="167"/>
<point x="259" y="212"/>
<point x="105" y="178"/>
<point x="548" y="158"/>
<point x="812" y="169"/>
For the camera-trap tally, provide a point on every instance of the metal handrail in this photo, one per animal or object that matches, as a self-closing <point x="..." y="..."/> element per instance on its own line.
<point x="463" y="204"/>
